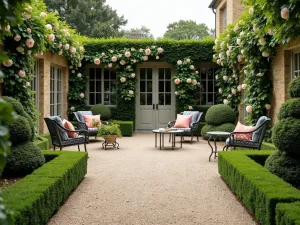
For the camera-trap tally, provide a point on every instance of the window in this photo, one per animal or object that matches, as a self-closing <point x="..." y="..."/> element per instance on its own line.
<point x="102" y="86"/>
<point x="207" y="91"/>
<point x="35" y="84"/>
<point x="296" y="65"/>
<point x="55" y="91"/>
<point x="224" y="18"/>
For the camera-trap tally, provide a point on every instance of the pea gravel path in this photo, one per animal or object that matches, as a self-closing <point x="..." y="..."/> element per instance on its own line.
<point x="140" y="185"/>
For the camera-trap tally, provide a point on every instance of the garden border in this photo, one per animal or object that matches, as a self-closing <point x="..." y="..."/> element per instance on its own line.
<point x="50" y="185"/>
<point x="254" y="185"/>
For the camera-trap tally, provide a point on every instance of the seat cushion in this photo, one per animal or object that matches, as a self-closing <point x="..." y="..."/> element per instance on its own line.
<point x="183" y="121"/>
<point x="68" y="125"/>
<point x="90" y="120"/>
<point x="242" y="128"/>
<point x="63" y="134"/>
<point x="195" y="116"/>
<point x="258" y="133"/>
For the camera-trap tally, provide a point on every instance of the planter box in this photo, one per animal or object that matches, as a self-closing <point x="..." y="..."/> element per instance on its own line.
<point x="126" y="128"/>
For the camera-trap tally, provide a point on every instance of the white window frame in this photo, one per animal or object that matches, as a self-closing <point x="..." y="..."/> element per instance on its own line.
<point x="104" y="91"/>
<point x="207" y="80"/>
<point x="55" y="90"/>
<point x="35" y="84"/>
<point x="224" y="18"/>
<point x="295" y="65"/>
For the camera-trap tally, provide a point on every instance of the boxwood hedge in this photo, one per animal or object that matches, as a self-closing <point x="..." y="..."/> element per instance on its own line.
<point x="288" y="214"/>
<point x="254" y="185"/>
<point x="36" y="197"/>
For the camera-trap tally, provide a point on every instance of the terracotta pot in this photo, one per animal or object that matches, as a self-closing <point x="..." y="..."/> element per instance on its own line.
<point x="110" y="138"/>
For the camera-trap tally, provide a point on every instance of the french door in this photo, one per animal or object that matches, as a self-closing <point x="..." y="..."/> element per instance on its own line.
<point x="155" y="102"/>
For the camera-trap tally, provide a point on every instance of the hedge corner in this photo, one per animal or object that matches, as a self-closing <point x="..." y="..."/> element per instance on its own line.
<point x="126" y="128"/>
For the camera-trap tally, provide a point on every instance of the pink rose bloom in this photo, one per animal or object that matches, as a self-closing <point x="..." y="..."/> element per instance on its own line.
<point x="27" y="84"/>
<point x="160" y="50"/>
<point x="179" y="62"/>
<point x="73" y="50"/>
<point x="123" y="79"/>
<point x="30" y="43"/>
<point x="67" y="46"/>
<point x="233" y="91"/>
<point x="132" y="75"/>
<point x="97" y="61"/>
<point x="81" y="95"/>
<point x="131" y="92"/>
<point x="268" y="106"/>
<point x="220" y="90"/>
<point x="177" y="81"/>
<point x="122" y="62"/>
<point x="194" y="82"/>
<point x="17" y="38"/>
<point x="157" y="57"/>
<point x="127" y="54"/>
<point x="114" y="59"/>
<point x="285" y="13"/>
<point x="48" y="26"/>
<point x="190" y="107"/>
<point x="265" y="54"/>
<point x="51" y="37"/>
<point x="7" y="63"/>
<point x="189" y="80"/>
<point x="109" y="65"/>
<point x="249" y="108"/>
<point x="147" y="51"/>
<point x="79" y="75"/>
<point x="43" y="14"/>
<point x="192" y="67"/>
<point x="260" y="74"/>
<point x="22" y="73"/>
<point x="225" y="101"/>
<point x="28" y="30"/>
<point x="145" y="58"/>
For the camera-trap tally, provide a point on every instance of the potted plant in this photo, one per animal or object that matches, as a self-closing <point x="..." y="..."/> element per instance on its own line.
<point x="110" y="133"/>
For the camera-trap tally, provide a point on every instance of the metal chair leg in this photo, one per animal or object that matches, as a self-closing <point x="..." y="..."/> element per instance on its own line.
<point x="78" y="148"/>
<point x="84" y="146"/>
<point x="53" y="147"/>
<point x="60" y="148"/>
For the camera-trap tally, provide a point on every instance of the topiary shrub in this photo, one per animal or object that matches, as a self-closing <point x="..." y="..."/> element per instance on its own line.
<point x="227" y="127"/>
<point x="294" y="88"/>
<point x="19" y="130"/>
<point x="286" y="135"/>
<point x="103" y="110"/>
<point x="23" y="159"/>
<point x="285" y="167"/>
<point x="291" y="108"/>
<point x="220" y="114"/>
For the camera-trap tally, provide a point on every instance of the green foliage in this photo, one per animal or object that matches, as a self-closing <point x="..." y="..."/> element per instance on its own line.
<point x="284" y="166"/>
<point x="103" y="110"/>
<point x="226" y="127"/>
<point x="107" y="130"/>
<point x="203" y="109"/>
<point x="42" y="143"/>
<point x="186" y="29"/>
<point x="286" y="135"/>
<point x="36" y="197"/>
<point x="201" y="125"/>
<point x="23" y="159"/>
<point x="288" y="213"/>
<point x="126" y="128"/>
<point x="20" y="131"/>
<point x="290" y="108"/>
<point x="220" y="114"/>
<point x="294" y="88"/>
<point x="258" y="189"/>
<point x="138" y="33"/>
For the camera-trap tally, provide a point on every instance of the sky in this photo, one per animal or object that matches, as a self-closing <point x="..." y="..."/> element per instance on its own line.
<point x="158" y="14"/>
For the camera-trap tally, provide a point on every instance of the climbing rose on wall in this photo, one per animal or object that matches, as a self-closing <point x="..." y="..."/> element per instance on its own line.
<point x="22" y="73"/>
<point x="8" y="63"/>
<point x="249" y="108"/>
<point x="30" y="43"/>
<point x="177" y="81"/>
<point x="97" y="61"/>
<point x="285" y="13"/>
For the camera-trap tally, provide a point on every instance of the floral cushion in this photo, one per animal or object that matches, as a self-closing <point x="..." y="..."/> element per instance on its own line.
<point x="183" y="121"/>
<point x="89" y="120"/>
<point x="242" y="128"/>
<point x="68" y="125"/>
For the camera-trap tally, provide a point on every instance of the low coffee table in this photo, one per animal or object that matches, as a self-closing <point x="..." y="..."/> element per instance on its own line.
<point x="214" y="135"/>
<point x="171" y="132"/>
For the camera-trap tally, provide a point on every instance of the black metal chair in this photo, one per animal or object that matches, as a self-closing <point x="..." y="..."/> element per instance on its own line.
<point x="258" y="135"/>
<point x="193" y="130"/>
<point x="60" y="137"/>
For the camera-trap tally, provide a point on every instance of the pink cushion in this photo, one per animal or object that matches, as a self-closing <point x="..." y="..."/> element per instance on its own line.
<point x="68" y="125"/>
<point x="242" y="128"/>
<point x="183" y="121"/>
<point x="89" y="120"/>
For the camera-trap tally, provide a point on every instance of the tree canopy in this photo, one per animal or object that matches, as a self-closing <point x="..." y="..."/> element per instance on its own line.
<point x="138" y="33"/>
<point x="92" y="18"/>
<point x="187" y="29"/>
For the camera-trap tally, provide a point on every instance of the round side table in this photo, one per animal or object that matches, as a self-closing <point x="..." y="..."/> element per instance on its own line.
<point x="214" y="135"/>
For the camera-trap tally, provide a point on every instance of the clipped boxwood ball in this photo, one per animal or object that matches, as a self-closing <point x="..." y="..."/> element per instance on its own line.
<point x="286" y="135"/>
<point x="284" y="166"/>
<point x="291" y="108"/>
<point x="227" y="127"/>
<point x="220" y="114"/>
<point x="103" y="110"/>
<point x="294" y="88"/>
<point x="15" y="104"/>
<point x="20" y="130"/>
<point x="23" y="160"/>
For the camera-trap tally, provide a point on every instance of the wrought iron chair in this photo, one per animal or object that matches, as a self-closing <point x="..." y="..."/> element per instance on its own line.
<point x="193" y="130"/>
<point x="258" y="135"/>
<point x="60" y="137"/>
<point x="81" y="125"/>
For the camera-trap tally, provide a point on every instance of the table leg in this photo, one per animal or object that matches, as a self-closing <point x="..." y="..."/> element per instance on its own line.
<point x="212" y="150"/>
<point x="216" y="150"/>
<point x="155" y="140"/>
<point x="163" y="140"/>
<point x="159" y="141"/>
<point x="181" y="140"/>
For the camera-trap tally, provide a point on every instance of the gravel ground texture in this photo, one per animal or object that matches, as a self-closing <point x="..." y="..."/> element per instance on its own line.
<point x="139" y="184"/>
